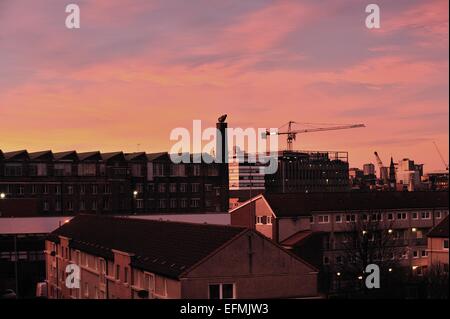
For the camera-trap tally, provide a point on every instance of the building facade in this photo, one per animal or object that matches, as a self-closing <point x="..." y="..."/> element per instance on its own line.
<point x="305" y="171"/>
<point x="171" y="260"/>
<point x="111" y="183"/>
<point x="403" y="217"/>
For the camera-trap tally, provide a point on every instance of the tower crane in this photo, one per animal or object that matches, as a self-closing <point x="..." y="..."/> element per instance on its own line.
<point x="292" y="134"/>
<point x="440" y="155"/>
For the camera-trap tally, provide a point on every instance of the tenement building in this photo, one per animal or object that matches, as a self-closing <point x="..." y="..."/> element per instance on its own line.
<point x="331" y="230"/>
<point x="134" y="258"/>
<point x="111" y="183"/>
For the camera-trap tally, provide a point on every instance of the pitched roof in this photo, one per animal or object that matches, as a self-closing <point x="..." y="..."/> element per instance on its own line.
<point x="113" y="155"/>
<point x="167" y="248"/>
<point x="65" y="155"/>
<point x="303" y="204"/>
<point x="137" y="155"/>
<point x="1" y="155"/>
<point x="296" y="238"/>
<point x="15" y="154"/>
<point x="440" y="230"/>
<point x="37" y="155"/>
<point x="154" y="156"/>
<point x="89" y="155"/>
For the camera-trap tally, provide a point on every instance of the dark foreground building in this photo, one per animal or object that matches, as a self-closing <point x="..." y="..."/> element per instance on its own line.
<point x="111" y="183"/>
<point x="142" y="259"/>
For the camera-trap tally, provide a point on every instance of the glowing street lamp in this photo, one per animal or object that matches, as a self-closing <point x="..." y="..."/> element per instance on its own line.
<point x="414" y="229"/>
<point x="135" y="193"/>
<point x="2" y="195"/>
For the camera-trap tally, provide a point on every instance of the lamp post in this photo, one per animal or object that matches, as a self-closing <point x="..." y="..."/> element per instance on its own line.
<point x="135" y="194"/>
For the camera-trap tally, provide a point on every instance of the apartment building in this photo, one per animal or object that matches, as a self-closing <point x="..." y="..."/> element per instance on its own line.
<point x="133" y="258"/>
<point x="438" y="245"/>
<point x="111" y="183"/>
<point x="293" y="220"/>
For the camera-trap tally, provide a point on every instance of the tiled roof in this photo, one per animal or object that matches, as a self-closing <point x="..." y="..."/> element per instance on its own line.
<point x="108" y="156"/>
<point x="302" y="204"/>
<point x="37" y="155"/>
<point x="133" y="156"/>
<point x="89" y="155"/>
<point x="65" y="155"/>
<point x="440" y="230"/>
<point x="12" y="155"/>
<point x="154" y="156"/>
<point x="166" y="248"/>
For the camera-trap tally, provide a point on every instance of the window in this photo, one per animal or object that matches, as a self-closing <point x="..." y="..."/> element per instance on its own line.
<point x="94" y="189"/>
<point x="139" y="203"/>
<point x="323" y="219"/>
<point x="45" y="190"/>
<point x="221" y="291"/>
<point x="183" y="203"/>
<point x="13" y="169"/>
<point x="269" y="220"/>
<point x="424" y="253"/>
<point x="86" y="290"/>
<point x="149" y="282"/>
<point x="390" y="216"/>
<point x="70" y="189"/>
<point x="196" y="170"/>
<point x="162" y="203"/>
<point x="117" y="272"/>
<point x="173" y="187"/>
<point x="173" y="203"/>
<point x="125" y="275"/>
<point x="58" y="205"/>
<point x="415" y="254"/>
<point x="259" y="220"/>
<point x="402" y="216"/>
<point x="445" y="244"/>
<point x="63" y="169"/>
<point x="350" y="218"/>
<point x="438" y="215"/>
<point x="195" y="187"/>
<point x="376" y="217"/>
<point x="326" y="260"/>
<point x="339" y="260"/>
<point x="426" y="215"/>
<point x="39" y="169"/>
<point x="338" y="218"/>
<point x="162" y="188"/>
<point x="364" y="217"/>
<point x="82" y="205"/>
<point x="415" y="215"/>
<point x="311" y="219"/>
<point x="183" y="187"/>
<point x="195" y="202"/>
<point x="46" y="206"/>
<point x="208" y="187"/>
<point x="86" y="169"/>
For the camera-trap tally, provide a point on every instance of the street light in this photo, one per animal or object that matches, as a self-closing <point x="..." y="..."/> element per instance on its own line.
<point x="390" y="231"/>
<point x="414" y="229"/>
<point x="2" y="195"/>
<point x="135" y="193"/>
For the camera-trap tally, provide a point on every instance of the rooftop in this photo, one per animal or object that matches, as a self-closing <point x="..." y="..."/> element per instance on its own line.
<point x="166" y="248"/>
<point x="303" y="204"/>
<point x="440" y="230"/>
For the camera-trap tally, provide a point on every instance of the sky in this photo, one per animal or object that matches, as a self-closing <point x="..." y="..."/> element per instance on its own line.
<point x="136" y="69"/>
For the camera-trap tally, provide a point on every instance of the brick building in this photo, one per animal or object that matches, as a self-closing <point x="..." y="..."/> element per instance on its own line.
<point x="111" y="183"/>
<point x="317" y="225"/>
<point x="142" y="259"/>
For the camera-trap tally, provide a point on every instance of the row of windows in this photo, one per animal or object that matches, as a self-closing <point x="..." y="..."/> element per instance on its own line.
<point x="324" y="219"/>
<point x="340" y="260"/>
<point x="173" y="203"/>
<point x="22" y="255"/>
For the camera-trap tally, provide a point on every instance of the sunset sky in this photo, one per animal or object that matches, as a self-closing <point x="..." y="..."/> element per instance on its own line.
<point x="137" y="69"/>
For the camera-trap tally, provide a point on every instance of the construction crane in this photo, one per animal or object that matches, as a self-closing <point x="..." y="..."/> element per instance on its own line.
<point x="440" y="155"/>
<point x="379" y="162"/>
<point x="292" y="134"/>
